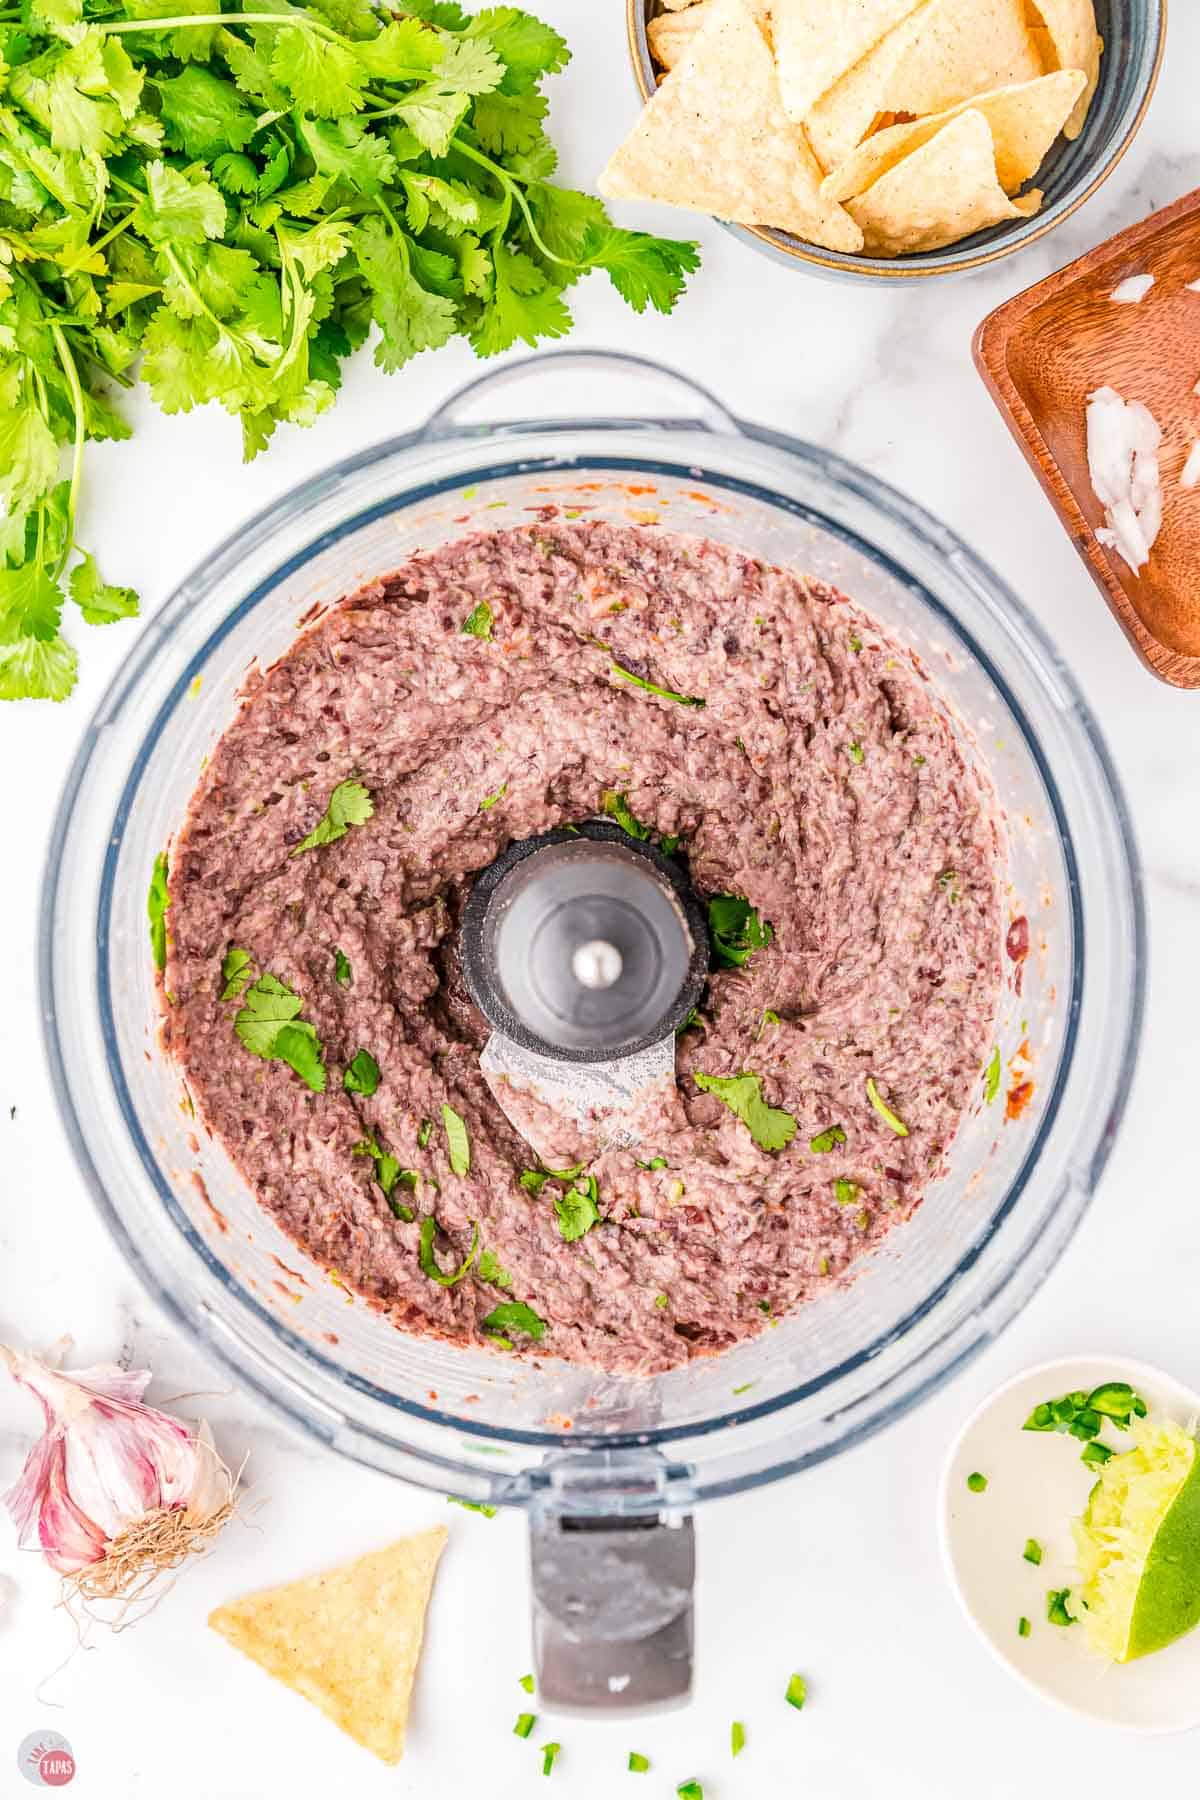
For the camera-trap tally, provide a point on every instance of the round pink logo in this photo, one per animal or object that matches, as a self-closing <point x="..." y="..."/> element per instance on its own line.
<point x="46" y="1759"/>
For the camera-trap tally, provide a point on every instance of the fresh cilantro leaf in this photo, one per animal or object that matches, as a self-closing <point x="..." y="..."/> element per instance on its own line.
<point x="30" y="604"/>
<point x="514" y="1315"/>
<point x="827" y="1140"/>
<point x="616" y="807"/>
<point x="577" y="1213"/>
<point x="99" y="602"/>
<point x="342" y="973"/>
<point x="178" y="208"/>
<point x="402" y="48"/>
<point x="324" y="77"/>
<point x="237" y="971"/>
<point x="346" y="151"/>
<point x="469" y="65"/>
<point x="478" y="622"/>
<point x="650" y="687"/>
<point x="846" y="1192"/>
<point x="433" y="114"/>
<point x="349" y="804"/>
<point x="523" y="304"/>
<point x="735" y="931"/>
<point x="508" y="122"/>
<point x="447" y="15"/>
<point x="409" y="318"/>
<point x="362" y="1074"/>
<point x="35" y="668"/>
<point x="205" y="116"/>
<point x="646" y="271"/>
<point x="458" y="1143"/>
<point x="770" y="1126"/>
<point x="528" y="48"/>
<point x="389" y="1175"/>
<point x="157" y="902"/>
<point x="269" y="1025"/>
<point x="429" y="1229"/>
<point x="490" y="1270"/>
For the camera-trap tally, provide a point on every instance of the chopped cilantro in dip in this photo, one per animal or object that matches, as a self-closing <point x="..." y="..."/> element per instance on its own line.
<point x="349" y="804"/>
<point x="890" y="1119"/>
<point x="577" y="1211"/>
<point x="156" y="910"/>
<point x="458" y="1144"/>
<point x="616" y="808"/>
<point x="489" y="800"/>
<point x="237" y="972"/>
<point x="827" y="1140"/>
<point x="651" y="687"/>
<point x="341" y="968"/>
<point x="389" y="1175"/>
<point x="478" y="622"/>
<point x="656" y="1162"/>
<point x="856" y="753"/>
<point x="489" y="1270"/>
<point x="429" y="1230"/>
<point x="846" y="1192"/>
<point x="991" y="1076"/>
<point x="513" y="1315"/>
<point x="269" y="1026"/>
<point x="362" y="1074"/>
<point x="424" y="1133"/>
<point x="735" y="931"/>
<point x="770" y="1126"/>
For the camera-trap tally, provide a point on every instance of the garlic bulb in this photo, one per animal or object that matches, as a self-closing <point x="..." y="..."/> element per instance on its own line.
<point x="114" y="1491"/>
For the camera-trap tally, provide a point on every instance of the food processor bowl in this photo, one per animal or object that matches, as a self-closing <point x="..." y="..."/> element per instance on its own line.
<point x="599" y="1459"/>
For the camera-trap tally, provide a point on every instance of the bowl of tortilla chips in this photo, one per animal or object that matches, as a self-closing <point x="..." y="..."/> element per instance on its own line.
<point x="890" y="138"/>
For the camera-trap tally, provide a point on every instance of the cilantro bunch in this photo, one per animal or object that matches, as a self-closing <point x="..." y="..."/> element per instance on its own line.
<point x="236" y="198"/>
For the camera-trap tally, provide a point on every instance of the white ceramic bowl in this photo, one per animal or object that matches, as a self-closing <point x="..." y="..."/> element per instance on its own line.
<point x="1036" y="1485"/>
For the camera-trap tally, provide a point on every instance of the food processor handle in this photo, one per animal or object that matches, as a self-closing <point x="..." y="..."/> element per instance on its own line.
<point x="558" y="375"/>
<point x="612" y="1590"/>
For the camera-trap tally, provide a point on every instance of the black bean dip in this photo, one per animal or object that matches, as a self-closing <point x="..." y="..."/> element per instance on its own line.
<point x="822" y="779"/>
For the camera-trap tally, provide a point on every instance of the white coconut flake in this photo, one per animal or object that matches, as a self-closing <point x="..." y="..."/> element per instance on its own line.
<point x="1191" y="468"/>
<point x="1122" y="450"/>
<point x="1132" y="289"/>
<point x="1193" y="287"/>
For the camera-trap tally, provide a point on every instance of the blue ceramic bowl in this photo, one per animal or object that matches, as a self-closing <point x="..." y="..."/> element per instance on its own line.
<point x="1134" y="33"/>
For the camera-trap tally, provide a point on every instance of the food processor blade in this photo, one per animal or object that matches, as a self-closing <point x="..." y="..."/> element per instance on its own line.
<point x="584" y="948"/>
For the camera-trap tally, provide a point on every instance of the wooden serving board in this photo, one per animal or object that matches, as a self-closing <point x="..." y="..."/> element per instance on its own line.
<point x="1043" y="353"/>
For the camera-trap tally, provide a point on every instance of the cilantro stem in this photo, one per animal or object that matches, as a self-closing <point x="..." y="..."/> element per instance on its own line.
<point x="179" y="21"/>
<point x="72" y="374"/>
<point x="102" y="243"/>
<point x="512" y="189"/>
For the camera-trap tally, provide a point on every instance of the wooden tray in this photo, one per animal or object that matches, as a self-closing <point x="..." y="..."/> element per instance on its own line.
<point x="1043" y="352"/>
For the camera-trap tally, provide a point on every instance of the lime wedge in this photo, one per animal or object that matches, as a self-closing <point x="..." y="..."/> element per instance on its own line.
<point x="1139" y="1545"/>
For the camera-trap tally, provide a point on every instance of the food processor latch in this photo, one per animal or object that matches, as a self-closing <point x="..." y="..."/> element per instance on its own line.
<point x="612" y="1587"/>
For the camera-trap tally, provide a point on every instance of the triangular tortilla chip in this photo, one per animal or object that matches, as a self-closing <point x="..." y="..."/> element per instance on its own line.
<point x="1024" y="121"/>
<point x="942" y="54"/>
<point x="715" y="137"/>
<point x="942" y="192"/>
<point x="348" y="1640"/>
<point x="1071" y="27"/>
<point x="670" y="34"/>
<point x="816" y="41"/>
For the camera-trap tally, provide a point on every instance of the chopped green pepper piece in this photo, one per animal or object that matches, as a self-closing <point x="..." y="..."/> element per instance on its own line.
<point x="524" y="1725"/>
<point x="737" y="1737"/>
<point x="638" y="1764"/>
<point x="977" y="1482"/>
<point x="797" y="1692"/>
<point x="1032" y="1551"/>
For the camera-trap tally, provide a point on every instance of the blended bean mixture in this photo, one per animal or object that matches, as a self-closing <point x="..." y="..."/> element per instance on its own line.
<point x="820" y="780"/>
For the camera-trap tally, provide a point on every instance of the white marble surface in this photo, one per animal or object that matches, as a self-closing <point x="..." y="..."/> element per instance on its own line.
<point x="834" y="1573"/>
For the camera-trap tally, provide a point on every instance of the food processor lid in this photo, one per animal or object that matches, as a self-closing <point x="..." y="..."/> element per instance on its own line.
<point x="584" y="945"/>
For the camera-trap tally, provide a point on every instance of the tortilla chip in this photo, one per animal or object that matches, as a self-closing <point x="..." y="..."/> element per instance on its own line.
<point x="944" y="53"/>
<point x="816" y="41"/>
<point x="1071" y="27"/>
<point x="1024" y="122"/>
<point x="944" y="191"/>
<point x="348" y="1640"/>
<point x="715" y="137"/>
<point x="670" y="34"/>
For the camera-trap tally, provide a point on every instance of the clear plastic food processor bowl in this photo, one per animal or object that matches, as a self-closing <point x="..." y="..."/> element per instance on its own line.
<point x="584" y="1452"/>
